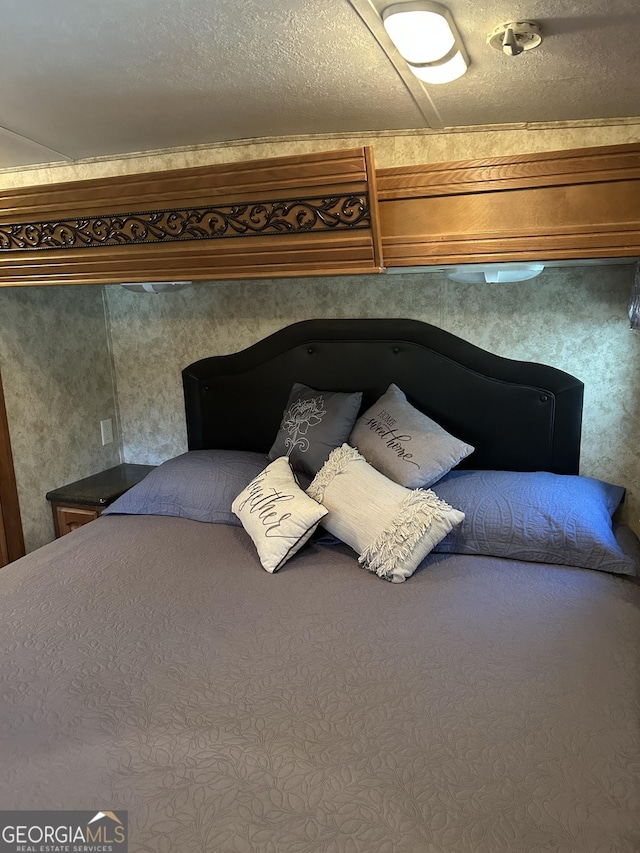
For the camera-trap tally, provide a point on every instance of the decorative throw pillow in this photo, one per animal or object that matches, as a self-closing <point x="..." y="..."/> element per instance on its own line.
<point x="538" y="517"/>
<point x="404" y="444"/>
<point x="277" y="514"/>
<point x="313" y="423"/>
<point x="390" y="527"/>
<point x="199" y="485"/>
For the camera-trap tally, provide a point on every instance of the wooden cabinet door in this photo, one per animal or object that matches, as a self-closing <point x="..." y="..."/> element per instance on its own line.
<point x="4" y="553"/>
<point x="11" y="538"/>
<point x="69" y="518"/>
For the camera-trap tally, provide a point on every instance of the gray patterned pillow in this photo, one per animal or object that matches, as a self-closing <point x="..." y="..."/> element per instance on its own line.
<point x="405" y="445"/>
<point x="313" y="423"/>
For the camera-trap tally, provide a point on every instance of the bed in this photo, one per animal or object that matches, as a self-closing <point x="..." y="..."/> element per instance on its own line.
<point x="489" y="704"/>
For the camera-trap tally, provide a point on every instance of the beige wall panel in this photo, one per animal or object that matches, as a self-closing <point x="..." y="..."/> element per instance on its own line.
<point x="411" y="147"/>
<point x="58" y="385"/>
<point x="572" y="318"/>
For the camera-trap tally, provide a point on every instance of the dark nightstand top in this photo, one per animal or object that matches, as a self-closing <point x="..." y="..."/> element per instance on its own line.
<point x="103" y="488"/>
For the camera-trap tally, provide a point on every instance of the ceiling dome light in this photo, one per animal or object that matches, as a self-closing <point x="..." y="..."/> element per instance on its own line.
<point x="154" y="286"/>
<point x="420" y="32"/>
<point x="494" y="273"/>
<point x="441" y="72"/>
<point x="634" y="304"/>
<point x="425" y="35"/>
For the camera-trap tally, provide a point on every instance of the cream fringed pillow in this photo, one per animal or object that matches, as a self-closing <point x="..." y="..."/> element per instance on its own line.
<point x="277" y="514"/>
<point x="391" y="528"/>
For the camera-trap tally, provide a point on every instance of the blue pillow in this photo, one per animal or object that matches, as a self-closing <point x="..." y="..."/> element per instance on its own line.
<point x="200" y="485"/>
<point x="536" y="517"/>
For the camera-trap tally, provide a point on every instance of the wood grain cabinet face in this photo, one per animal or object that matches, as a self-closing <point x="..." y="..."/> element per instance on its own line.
<point x="580" y="203"/>
<point x="69" y="518"/>
<point x="305" y="214"/>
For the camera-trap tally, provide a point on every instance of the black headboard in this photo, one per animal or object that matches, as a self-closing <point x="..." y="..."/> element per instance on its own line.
<point x="520" y="416"/>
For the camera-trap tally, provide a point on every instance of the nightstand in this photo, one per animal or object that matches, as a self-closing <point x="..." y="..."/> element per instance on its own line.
<point x="81" y="502"/>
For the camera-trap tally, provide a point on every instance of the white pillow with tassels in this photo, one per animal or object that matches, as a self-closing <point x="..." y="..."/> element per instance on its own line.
<point x="391" y="528"/>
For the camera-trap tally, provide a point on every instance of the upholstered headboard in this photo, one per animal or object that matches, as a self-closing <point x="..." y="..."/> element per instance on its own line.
<point x="520" y="416"/>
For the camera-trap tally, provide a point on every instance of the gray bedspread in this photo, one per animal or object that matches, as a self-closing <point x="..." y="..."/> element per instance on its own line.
<point x="485" y="706"/>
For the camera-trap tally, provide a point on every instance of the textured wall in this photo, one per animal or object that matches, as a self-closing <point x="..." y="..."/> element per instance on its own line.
<point x="391" y="149"/>
<point x="58" y="385"/>
<point x="572" y="318"/>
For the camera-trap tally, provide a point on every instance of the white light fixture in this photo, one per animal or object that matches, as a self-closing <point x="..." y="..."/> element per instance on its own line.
<point x="494" y="273"/>
<point x="442" y="73"/>
<point x="426" y="37"/>
<point x="154" y="286"/>
<point x="634" y="304"/>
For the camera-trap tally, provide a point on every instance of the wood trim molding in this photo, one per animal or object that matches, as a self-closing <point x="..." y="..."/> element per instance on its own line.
<point x="4" y="551"/>
<point x="554" y="168"/>
<point x="11" y="537"/>
<point x="569" y="204"/>
<point x="234" y="219"/>
<point x="374" y="208"/>
<point x="308" y="214"/>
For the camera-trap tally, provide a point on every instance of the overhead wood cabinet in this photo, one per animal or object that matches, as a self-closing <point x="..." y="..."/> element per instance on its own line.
<point x="322" y="214"/>
<point x="305" y="215"/>
<point x="582" y="203"/>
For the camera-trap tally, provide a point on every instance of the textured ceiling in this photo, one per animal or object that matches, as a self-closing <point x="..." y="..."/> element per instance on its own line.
<point x="84" y="79"/>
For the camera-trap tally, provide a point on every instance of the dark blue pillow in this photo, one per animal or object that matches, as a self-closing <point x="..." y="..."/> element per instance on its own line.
<point x="200" y="485"/>
<point x="537" y="517"/>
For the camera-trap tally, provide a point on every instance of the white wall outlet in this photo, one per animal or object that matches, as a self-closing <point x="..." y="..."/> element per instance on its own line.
<point x="106" y="430"/>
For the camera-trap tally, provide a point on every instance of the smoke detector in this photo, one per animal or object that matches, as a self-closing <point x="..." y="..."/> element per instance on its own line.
<point x="514" y="37"/>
